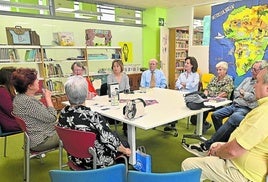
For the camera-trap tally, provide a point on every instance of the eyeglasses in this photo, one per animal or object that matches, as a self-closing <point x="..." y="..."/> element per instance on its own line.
<point x="255" y="70"/>
<point x="78" y="70"/>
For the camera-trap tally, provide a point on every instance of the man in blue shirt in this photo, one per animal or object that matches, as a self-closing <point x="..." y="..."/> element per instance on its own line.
<point x="153" y="77"/>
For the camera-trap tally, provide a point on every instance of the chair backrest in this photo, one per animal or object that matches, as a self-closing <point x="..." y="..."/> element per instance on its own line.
<point x="104" y="89"/>
<point x="193" y="175"/>
<point x="205" y="79"/>
<point x="114" y="173"/>
<point x="20" y="122"/>
<point x="75" y="142"/>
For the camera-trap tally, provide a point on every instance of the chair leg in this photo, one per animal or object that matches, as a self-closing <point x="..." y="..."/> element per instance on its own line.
<point x="27" y="159"/>
<point x="5" y="146"/>
<point x="60" y="155"/>
<point x="115" y="125"/>
<point x="188" y="122"/>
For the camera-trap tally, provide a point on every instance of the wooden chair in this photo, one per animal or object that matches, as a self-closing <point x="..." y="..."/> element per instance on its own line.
<point x="114" y="173"/>
<point x="28" y="153"/>
<point x="5" y="135"/>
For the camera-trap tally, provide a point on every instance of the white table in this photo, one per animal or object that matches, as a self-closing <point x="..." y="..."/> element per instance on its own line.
<point x="170" y="107"/>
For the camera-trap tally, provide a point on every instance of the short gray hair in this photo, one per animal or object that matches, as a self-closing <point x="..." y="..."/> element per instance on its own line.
<point x="222" y="64"/>
<point x="264" y="63"/>
<point x="76" y="89"/>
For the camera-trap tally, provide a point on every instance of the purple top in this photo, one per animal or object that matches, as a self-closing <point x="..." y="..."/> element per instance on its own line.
<point x="7" y="121"/>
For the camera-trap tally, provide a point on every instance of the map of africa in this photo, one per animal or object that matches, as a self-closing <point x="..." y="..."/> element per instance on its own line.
<point x="247" y="28"/>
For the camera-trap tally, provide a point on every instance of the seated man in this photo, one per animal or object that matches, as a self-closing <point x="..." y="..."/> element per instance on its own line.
<point x="153" y="77"/>
<point x="79" y="117"/>
<point x="244" y="156"/>
<point x="244" y="101"/>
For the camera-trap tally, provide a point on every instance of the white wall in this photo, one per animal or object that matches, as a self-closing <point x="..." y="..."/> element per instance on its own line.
<point x="183" y="16"/>
<point x="179" y="16"/>
<point x="201" y="53"/>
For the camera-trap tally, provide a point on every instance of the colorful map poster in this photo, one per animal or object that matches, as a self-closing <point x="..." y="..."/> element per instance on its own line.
<point x="239" y="35"/>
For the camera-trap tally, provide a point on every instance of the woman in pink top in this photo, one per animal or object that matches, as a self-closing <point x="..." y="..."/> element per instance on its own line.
<point x="7" y="93"/>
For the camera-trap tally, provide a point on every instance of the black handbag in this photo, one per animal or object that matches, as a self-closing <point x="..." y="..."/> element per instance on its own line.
<point x="195" y="100"/>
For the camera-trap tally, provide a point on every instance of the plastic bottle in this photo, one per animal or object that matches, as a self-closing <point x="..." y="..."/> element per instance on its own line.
<point x="115" y="97"/>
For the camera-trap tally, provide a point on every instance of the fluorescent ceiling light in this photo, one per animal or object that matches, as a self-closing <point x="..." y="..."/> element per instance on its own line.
<point x="127" y="17"/>
<point x="64" y="9"/>
<point x="24" y="5"/>
<point x="84" y="13"/>
<point x="90" y="13"/>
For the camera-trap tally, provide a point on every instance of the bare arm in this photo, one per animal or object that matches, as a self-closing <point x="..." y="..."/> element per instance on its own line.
<point x="228" y="150"/>
<point x="124" y="150"/>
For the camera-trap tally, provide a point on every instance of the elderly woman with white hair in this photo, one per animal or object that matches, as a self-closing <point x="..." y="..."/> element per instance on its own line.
<point x="221" y="85"/>
<point x="79" y="117"/>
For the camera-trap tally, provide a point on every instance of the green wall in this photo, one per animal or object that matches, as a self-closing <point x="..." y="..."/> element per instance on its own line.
<point x="151" y="34"/>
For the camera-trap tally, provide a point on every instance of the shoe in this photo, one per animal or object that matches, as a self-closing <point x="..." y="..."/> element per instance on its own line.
<point x="167" y="128"/>
<point x="196" y="149"/>
<point x="206" y="127"/>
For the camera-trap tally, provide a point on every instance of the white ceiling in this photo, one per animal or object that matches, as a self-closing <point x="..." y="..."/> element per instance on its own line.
<point x="202" y="7"/>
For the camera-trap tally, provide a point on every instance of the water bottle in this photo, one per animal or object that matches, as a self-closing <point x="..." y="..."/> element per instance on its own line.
<point x="115" y="97"/>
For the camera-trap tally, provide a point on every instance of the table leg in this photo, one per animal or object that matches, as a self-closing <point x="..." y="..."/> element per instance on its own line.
<point x="131" y="132"/>
<point x="199" y="128"/>
<point x="199" y="124"/>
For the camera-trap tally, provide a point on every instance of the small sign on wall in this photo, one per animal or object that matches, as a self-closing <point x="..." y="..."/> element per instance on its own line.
<point x="127" y="56"/>
<point x="161" y="21"/>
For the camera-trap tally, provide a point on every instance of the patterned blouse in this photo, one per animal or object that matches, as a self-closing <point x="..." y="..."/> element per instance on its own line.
<point x="40" y="120"/>
<point x="106" y="144"/>
<point x="217" y="86"/>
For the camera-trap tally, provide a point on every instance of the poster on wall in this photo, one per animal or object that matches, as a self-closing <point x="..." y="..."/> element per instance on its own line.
<point x="98" y="37"/>
<point x="239" y="36"/>
<point x="127" y="52"/>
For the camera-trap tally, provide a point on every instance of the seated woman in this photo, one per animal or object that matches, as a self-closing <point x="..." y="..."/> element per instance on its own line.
<point x="219" y="86"/>
<point x="118" y="76"/>
<point x="7" y="92"/>
<point x="39" y="119"/>
<point x="188" y="81"/>
<point x="79" y="117"/>
<point x="79" y="69"/>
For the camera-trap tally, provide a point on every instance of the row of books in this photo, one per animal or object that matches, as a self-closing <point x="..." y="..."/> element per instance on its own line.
<point x="33" y="55"/>
<point x="55" y="86"/>
<point x="8" y="55"/>
<point x="53" y="70"/>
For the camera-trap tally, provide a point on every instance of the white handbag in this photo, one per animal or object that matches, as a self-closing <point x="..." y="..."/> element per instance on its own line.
<point x="134" y="108"/>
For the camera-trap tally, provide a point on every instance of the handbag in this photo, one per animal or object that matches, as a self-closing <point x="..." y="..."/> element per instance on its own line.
<point x="143" y="160"/>
<point x="18" y="35"/>
<point x="21" y="36"/>
<point x="195" y="100"/>
<point x="134" y="108"/>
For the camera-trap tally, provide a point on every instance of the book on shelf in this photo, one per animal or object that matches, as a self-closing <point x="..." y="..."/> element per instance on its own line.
<point x="53" y="70"/>
<point x="33" y="55"/>
<point x="58" y="86"/>
<point x="50" y="85"/>
<point x="8" y="55"/>
<point x="55" y="86"/>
